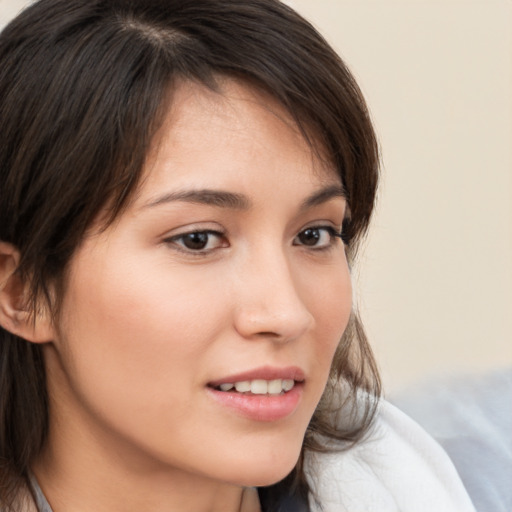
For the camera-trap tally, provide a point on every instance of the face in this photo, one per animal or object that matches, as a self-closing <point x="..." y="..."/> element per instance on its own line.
<point x="197" y="331"/>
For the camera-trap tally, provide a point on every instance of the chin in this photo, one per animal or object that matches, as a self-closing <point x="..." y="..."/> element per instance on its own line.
<point x="258" y="470"/>
<point x="268" y="478"/>
<point x="265" y="477"/>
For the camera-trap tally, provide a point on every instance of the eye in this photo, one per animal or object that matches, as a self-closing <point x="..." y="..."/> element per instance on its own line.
<point x="198" y="241"/>
<point x="319" y="237"/>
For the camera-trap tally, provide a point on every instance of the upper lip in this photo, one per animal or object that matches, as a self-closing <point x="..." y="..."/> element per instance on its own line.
<point x="263" y="373"/>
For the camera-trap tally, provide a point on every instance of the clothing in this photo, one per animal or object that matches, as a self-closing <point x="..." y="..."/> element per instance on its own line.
<point x="397" y="468"/>
<point x="40" y="499"/>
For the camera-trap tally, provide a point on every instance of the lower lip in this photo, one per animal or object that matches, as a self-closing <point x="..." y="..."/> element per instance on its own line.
<point x="260" y="407"/>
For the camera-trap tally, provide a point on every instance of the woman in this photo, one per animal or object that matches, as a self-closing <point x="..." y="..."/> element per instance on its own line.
<point x="183" y="186"/>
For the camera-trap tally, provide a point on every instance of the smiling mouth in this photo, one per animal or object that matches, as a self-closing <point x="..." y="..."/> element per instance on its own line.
<point x="264" y="394"/>
<point x="273" y="387"/>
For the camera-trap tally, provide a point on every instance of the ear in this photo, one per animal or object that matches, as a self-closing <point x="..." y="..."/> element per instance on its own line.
<point x="15" y="316"/>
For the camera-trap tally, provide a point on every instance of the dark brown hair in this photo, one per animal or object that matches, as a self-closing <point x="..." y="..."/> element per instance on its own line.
<point x="83" y="88"/>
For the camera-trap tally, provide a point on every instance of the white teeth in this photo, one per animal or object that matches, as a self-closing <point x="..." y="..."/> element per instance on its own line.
<point x="275" y="387"/>
<point x="288" y="384"/>
<point x="243" y="386"/>
<point x="260" y="386"/>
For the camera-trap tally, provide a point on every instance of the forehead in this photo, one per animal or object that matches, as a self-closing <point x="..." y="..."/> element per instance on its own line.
<point x="229" y="137"/>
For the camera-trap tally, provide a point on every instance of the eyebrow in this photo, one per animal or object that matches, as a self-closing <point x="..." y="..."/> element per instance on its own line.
<point x="210" y="197"/>
<point x="322" y="196"/>
<point x="234" y="201"/>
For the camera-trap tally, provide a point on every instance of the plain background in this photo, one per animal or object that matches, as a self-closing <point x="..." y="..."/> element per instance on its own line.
<point x="435" y="280"/>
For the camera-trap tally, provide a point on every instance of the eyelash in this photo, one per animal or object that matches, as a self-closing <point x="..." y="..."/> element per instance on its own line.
<point x="178" y="240"/>
<point x="331" y="231"/>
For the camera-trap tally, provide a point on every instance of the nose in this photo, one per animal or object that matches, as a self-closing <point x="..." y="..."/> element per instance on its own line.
<point x="268" y="301"/>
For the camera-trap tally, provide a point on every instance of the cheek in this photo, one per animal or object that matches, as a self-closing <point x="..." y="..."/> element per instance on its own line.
<point x="332" y="299"/>
<point x="134" y="349"/>
<point x="138" y="316"/>
<point x="329" y="299"/>
<point x="130" y="333"/>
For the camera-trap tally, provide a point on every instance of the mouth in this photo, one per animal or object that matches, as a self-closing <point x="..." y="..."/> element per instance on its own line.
<point x="266" y="394"/>
<point x="274" y="387"/>
<point x="265" y="380"/>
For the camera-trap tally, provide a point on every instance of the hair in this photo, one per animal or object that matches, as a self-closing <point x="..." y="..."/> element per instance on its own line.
<point x="84" y="85"/>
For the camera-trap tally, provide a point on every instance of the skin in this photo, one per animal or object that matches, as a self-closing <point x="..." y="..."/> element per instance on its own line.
<point x="147" y="323"/>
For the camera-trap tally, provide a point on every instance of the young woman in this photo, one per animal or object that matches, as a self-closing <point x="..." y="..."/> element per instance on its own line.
<point x="183" y="184"/>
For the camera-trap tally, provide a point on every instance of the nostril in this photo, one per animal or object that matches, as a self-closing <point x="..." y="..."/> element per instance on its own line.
<point x="272" y="326"/>
<point x="268" y="334"/>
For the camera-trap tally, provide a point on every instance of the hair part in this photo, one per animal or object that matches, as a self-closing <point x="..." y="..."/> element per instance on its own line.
<point x="84" y="86"/>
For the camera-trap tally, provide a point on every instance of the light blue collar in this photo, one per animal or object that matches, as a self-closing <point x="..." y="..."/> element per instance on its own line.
<point x="40" y="499"/>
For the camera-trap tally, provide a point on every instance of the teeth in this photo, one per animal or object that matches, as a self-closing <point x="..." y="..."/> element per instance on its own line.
<point x="243" y="386"/>
<point x="288" y="384"/>
<point x="275" y="387"/>
<point x="260" y="386"/>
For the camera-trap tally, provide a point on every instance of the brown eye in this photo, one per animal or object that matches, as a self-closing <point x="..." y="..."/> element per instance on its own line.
<point x="200" y="242"/>
<point x="319" y="237"/>
<point x="195" y="241"/>
<point x="309" y="236"/>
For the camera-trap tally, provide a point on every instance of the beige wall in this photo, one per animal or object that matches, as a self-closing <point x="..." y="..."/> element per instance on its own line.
<point x="435" y="284"/>
<point x="9" y="9"/>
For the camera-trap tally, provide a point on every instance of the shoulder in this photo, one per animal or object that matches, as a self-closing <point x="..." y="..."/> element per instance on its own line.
<point x="396" y="467"/>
